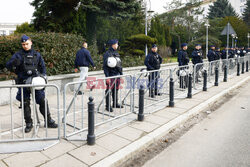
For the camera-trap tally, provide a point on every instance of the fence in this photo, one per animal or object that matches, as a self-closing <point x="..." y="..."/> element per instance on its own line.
<point x="115" y="100"/>
<point x="12" y="126"/>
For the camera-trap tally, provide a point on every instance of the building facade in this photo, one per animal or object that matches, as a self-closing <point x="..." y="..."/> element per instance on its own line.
<point x="7" y="28"/>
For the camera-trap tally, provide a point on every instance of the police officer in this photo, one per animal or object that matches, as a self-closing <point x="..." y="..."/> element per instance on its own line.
<point x="82" y="61"/>
<point x="224" y="53"/>
<point x="112" y="66"/>
<point x="242" y="51"/>
<point x="28" y="63"/>
<point x="153" y="62"/>
<point x="196" y="59"/>
<point x="183" y="60"/>
<point x="217" y="53"/>
<point x="211" y="53"/>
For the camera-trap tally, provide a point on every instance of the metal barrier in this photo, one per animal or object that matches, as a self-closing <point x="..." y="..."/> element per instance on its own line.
<point x="108" y="115"/>
<point x="12" y="120"/>
<point x="156" y="93"/>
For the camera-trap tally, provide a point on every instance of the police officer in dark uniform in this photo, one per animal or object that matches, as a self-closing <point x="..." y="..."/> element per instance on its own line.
<point x="196" y="59"/>
<point x="242" y="51"/>
<point x="28" y="63"/>
<point x="183" y="60"/>
<point x="224" y="53"/>
<point x="153" y="61"/>
<point x="211" y="53"/>
<point x="112" y="66"/>
<point x="217" y="53"/>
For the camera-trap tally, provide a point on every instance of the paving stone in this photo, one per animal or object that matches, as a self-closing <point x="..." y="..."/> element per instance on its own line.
<point x="29" y="159"/>
<point x="2" y="156"/>
<point x="175" y="110"/>
<point x="166" y="114"/>
<point x="64" y="161"/>
<point x="112" y="142"/>
<point x="145" y="126"/>
<point x="2" y="164"/>
<point x="188" y="103"/>
<point x="90" y="154"/>
<point x="156" y="119"/>
<point x="59" y="149"/>
<point x="129" y="133"/>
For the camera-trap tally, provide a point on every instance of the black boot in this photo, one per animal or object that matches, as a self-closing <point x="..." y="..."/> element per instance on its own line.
<point x="27" y="116"/>
<point x="151" y="93"/>
<point x="108" y="105"/>
<point x="157" y="93"/>
<point x="28" y="127"/>
<point x="115" y="99"/>
<point x="50" y="121"/>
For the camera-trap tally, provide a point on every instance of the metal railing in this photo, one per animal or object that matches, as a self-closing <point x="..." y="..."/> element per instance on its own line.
<point x="12" y="126"/>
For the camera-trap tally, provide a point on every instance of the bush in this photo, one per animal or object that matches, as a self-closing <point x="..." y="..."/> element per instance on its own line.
<point x="58" y="50"/>
<point x="135" y="45"/>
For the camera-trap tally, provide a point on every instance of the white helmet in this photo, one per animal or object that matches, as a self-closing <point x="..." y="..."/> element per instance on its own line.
<point x="111" y="62"/>
<point x="244" y="51"/>
<point x="38" y="81"/>
<point x="144" y="71"/>
<point x="238" y="52"/>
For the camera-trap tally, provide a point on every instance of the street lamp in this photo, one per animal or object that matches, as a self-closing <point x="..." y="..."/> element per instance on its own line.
<point x="236" y="38"/>
<point x="233" y="36"/>
<point x="207" y="25"/>
<point x="146" y="21"/>
<point x="248" y="36"/>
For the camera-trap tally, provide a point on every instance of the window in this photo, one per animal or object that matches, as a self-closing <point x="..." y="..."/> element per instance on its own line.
<point x="2" y="32"/>
<point x="242" y="1"/>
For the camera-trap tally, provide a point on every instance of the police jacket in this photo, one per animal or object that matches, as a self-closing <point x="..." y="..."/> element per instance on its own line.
<point x="211" y="55"/>
<point x="197" y="56"/>
<point x="83" y="58"/>
<point x="224" y="54"/>
<point x="242" y="54"/>
<point x="183" y="58"/>
<point x="108" y="71"/>
<point x="217" y="55"/>
<point x="26" y="64"/>
<point x="231" y="54"/>
<point x="153" y="61"/>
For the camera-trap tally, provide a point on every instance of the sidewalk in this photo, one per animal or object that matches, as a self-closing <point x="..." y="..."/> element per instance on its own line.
<point x="120" y="144"/>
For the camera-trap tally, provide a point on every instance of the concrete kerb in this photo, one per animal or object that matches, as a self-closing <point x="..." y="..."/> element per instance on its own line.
<point x="125" y="153"/>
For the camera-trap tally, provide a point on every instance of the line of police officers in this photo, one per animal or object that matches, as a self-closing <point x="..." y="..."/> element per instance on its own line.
<point x="28" y="63"/>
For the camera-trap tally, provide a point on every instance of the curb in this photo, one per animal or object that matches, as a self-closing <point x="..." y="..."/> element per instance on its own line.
<point x="127" y="152"/>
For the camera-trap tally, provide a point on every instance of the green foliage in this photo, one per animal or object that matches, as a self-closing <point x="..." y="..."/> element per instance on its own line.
<point x="58" y="50"/>
<point x="202" y="40"/>
<point x="183" y="22"/>
<point x="240" y="28"/>
<point x="135" y="45"/>
<point x="220" y="9"/>
<point x="246" y="13"/>
<point x="24" y="28"/>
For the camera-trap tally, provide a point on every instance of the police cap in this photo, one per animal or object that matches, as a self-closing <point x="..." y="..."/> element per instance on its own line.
<point x="24" y="38"/>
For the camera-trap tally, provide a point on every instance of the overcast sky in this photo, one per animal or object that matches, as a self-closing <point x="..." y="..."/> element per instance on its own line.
<point x="20" y="11"/>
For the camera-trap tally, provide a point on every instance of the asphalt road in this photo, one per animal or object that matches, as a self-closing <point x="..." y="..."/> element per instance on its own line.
<point x="220" y="140"/>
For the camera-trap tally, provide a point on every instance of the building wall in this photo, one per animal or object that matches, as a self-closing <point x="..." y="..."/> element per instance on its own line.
<point x="7" y="28"/>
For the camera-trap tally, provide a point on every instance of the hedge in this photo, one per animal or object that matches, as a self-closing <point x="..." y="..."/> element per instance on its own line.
<point x="58" y="50"/>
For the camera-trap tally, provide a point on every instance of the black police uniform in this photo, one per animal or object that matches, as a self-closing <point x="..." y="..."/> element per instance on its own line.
<point x="153" y="61"/>
<point x="196" y="59"/>
<point x="217" y="55"/>
<point x="28" y="64"/>
<point x="113" y="84"/>
<point x="211" y="55"/>
<point x="183" y="60"/>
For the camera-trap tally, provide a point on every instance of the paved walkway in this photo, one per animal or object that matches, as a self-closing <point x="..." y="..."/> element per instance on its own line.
<point x="120" y="144"/>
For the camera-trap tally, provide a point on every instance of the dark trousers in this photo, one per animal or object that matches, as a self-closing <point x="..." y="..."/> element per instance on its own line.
<point x="39" y="98"/>
<point x="113" y="85"/>
<point x="153" y="82"/>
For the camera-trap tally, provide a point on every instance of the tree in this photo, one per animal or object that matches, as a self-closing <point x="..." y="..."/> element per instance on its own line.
<point x="25" y="27"/>
<point x="182" y="19"/>
<point x="109" y="8"/>
<point x="246" y="13"/>
<point x="220" y="9"/>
